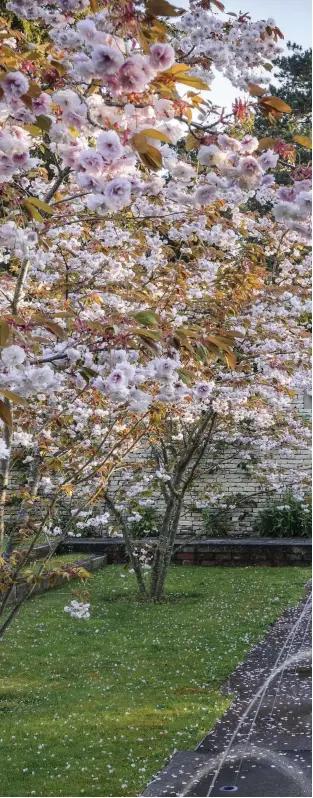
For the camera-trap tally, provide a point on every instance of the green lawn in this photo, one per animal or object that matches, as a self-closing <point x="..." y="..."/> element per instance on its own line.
<point x="95" y="707"/>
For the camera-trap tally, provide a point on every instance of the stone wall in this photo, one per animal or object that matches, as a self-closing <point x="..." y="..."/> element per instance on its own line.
<point x="234" y="480"/>
<point x="212" y="552"/>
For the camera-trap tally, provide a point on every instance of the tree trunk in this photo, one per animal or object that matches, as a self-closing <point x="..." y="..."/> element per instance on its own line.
<point x="5" y="476"/>
<point x="129" y="548"/>
<point x="180" y="483"/>
<point x="165" y="561"/>
<point x="161" y="548"/>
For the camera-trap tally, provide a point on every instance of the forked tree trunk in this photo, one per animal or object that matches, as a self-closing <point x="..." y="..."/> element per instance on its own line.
<point x="184" y="475"/>
<point x="162" y="563"/>
<point x="182" y="478"/>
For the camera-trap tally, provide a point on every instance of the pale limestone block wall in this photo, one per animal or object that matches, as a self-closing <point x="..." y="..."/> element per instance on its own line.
<point x="233" y="480"/>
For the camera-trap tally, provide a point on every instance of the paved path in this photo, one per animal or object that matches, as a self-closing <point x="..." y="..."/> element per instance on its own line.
<point x="271" y="755"/>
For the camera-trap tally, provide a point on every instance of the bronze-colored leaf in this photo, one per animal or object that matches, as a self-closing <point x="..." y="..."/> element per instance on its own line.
<point x="34" y="90"/>
<point x="218" y="341"/>
<point x="161" y="8"/>
<point x="5" y="414"/>
<point x="152" y="158"/>
<point x="230" y="359"/>
<point x="266" y="143"/>
<point x="139" y="142"/>
<point x="177" y="68"/>
<point x="143" y="41"/>
<point x="193" y="80"/>
<point x="152" y="133"/>
<point x="218" y="4"/>
<point x="191" y="143"/>
<point x="5" y="332"/>
<point x="60" y="68"/>
<point x="255" y="90"/>
<point x="305" y="141"/>
<point x="27" y="100"/>
<point x="49" y="324"/>
<point x="277" y="104"/>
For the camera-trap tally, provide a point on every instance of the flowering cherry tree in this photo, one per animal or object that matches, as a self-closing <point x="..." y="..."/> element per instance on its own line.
<point x="154" y="292"/>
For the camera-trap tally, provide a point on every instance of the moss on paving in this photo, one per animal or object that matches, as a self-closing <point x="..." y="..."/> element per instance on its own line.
<point x="95" y="707"/>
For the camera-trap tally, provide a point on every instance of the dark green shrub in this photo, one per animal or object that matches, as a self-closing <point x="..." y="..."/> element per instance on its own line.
<point x="287" y="517"/>
<point x="216" y="522"/>
<point x="148" y="526"/>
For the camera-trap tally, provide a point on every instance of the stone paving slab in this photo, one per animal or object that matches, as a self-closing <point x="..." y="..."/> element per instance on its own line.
<point x="287" y="699"/>
<point x="287" y="776"/>
<point x="190" y="774"/>
<point x="273" y="746"/>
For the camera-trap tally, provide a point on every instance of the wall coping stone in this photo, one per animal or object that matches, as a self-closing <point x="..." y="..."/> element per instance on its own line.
<point x="185" y="540"/>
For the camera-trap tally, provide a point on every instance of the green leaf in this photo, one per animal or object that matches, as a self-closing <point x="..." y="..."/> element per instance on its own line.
<point x="201" y="353"/>
<point x="44" y="122"/>
<point x="87" y="373"/>
<point x="33" y="129"/>
<point x="185" y="376"/>
<point x="43" y="206"/>
<point x="146" y="317"/>
<point x="31" y="210"/>
<point x="153" y="334"/>
<point x="14" y="397"/>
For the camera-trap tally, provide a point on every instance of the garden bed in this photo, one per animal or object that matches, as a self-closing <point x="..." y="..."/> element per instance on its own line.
<point x="22" y="587"/>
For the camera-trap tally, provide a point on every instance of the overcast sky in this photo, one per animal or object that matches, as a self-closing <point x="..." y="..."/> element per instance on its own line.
<point x="293" y="17"/>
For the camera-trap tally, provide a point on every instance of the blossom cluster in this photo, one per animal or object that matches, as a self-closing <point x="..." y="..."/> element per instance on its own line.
<point x="143" y="287"/>
<point x="77" y="609"/>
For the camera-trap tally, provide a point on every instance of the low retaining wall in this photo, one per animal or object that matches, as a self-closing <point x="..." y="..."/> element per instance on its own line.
<point x="89" y="563"/>
<point x="252" y="552"/>
<point x="211" y="551"/>
<point x="114" y="548"/>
